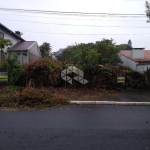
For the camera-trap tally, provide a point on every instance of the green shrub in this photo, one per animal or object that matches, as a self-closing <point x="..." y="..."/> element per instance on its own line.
<point x="14" y="70"/>
<point x="3" y="67"/>
<point x="11" y="88"/>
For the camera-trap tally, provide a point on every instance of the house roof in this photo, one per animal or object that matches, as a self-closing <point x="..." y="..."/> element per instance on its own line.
<point x="126" y="53"/>
<point x="4" y="27"/>
<point x="22" y="46"/>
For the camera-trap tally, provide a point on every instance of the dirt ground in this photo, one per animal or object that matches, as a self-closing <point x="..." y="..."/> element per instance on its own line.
<point x="93" y="95"/>
<point x="101" y="95"/>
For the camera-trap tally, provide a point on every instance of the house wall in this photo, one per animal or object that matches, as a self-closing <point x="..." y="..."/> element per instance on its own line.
<point x="133" y="65"/>
<point x="128" y="62"/>
<point x="34" y="52"/>
<point x="22" y="58"/>
<point x="142" y="68"/>
<point x="12" y="38"/>
<point x="8" y="35"/>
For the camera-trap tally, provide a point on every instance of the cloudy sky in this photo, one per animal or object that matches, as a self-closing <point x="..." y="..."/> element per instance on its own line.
<point x="62" y="30"/>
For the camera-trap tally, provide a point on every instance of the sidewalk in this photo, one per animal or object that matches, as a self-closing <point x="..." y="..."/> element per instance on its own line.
<point x="127" y="97"/>
<point x="122" y="98"/>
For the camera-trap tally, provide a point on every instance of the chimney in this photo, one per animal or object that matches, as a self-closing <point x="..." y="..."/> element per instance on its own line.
<point x="137" y="53"/>
<point x="18" y="33"/>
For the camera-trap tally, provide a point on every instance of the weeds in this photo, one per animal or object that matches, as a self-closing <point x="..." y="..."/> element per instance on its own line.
<point x="11" y="88"/>
<point x="31" y="97"/>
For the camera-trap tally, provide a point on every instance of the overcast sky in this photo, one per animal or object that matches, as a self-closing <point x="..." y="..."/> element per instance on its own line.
<point x="38" y="27"/>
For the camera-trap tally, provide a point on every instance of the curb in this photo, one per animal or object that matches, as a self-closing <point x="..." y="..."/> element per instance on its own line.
<point x="110" y="103"/>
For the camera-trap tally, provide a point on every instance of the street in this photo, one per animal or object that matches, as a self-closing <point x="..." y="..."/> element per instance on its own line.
<point x="76" y="127"/>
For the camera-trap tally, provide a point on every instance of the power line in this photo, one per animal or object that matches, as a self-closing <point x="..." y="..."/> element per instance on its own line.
<point x="72" y="18"/>
<point x="77" y="25"/>
<point x="71" y="13"/>
<point x="136" y="0"/>
<point x="84" y="34"/>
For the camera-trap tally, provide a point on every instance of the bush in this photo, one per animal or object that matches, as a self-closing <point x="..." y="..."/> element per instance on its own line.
<point x="44" y="72"/>
<point x="11" y="88"/>
<point x="3" y="67"/>
<point x="14" y="70"/>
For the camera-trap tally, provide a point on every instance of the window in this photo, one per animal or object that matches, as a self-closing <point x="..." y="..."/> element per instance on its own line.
<point x="1" y="35"/>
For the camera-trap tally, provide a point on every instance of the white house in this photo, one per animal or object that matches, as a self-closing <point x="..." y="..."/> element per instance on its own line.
<point x="137" y="59"/>
<point x="27" y="51"/>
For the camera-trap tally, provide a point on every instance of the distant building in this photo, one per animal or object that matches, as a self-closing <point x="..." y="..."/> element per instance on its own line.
<point x="137" y="59"/>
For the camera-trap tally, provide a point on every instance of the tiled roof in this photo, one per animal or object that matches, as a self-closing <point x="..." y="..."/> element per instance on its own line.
<point x="22" y="46"/>
<point x="126" y="53"/>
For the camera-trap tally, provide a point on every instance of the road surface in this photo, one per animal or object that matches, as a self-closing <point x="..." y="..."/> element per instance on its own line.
<point x="75" y="127"/>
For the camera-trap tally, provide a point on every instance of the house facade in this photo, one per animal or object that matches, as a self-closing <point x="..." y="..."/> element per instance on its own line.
<point x="27" y="51"/>
<point x="137" y="59"/>
<point x="8" y="34"/>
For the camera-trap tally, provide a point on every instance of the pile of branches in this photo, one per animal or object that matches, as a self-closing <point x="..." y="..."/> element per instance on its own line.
<point x="41" y="73"/>
<point x="48" y="73"/>
<point x="105" y="77"/>
<point x="32" y="97"/>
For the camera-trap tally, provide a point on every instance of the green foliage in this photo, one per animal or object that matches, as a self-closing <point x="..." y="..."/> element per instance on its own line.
<point x="122" y="46"/>
<point x="14" y="70"/>
<point x="3" y="67"/>
<point x="128" y="47"/>
<point x="4" y="42"/>
<point x="45" y="49"/>
<point x="108" y="52"/>
<point x="52" y="65"/>
<point x="103" y="52"/>
<point x="147" y="5"/>
<point x="11" y="88"/>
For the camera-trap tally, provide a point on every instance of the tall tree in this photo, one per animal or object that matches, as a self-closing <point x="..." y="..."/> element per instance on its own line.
<point x="122" y="46"/>
<point x="147" y="5"/>
<point x="45" y="49"/>
<point x="108" y="52"/>
<point x="129" y="45"/>
<point x="102" y="52"/>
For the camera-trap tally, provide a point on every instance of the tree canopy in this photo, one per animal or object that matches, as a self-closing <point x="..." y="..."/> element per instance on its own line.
<point x="147" y="5"/>
<point x="101" y="52"/>
<point x="4" y="42"/>
<point x="122" y="46"/>
<point x="45" y="49"/>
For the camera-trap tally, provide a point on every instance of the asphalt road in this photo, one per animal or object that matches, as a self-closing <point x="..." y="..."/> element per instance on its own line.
<point x="85" y="127"/>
